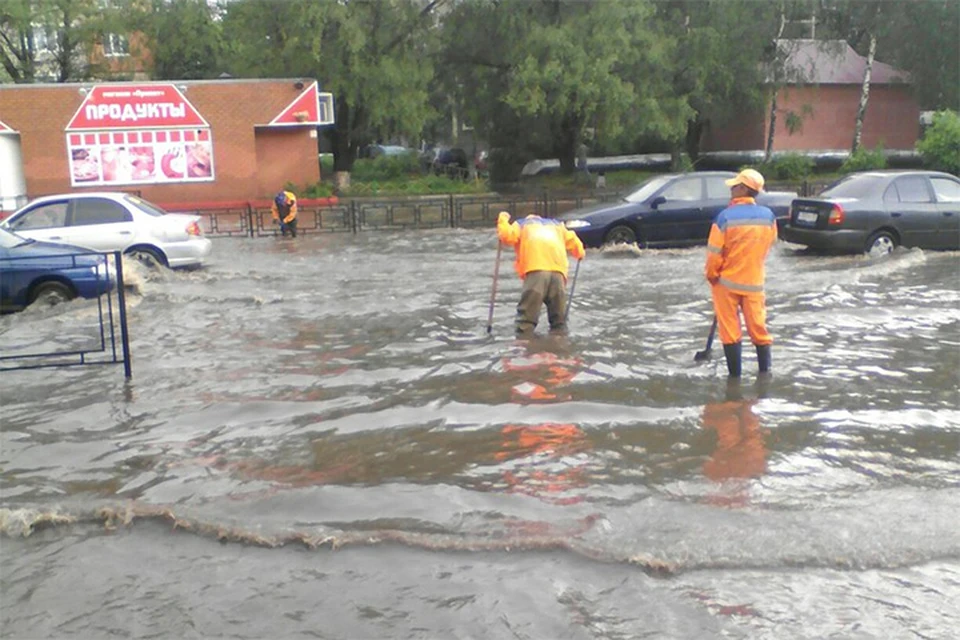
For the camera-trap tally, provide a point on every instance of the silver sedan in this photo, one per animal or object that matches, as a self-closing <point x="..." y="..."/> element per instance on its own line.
<point x="114" y="221"/>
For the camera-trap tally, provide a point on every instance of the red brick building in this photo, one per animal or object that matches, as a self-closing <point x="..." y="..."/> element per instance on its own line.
<point x="173" y="142"/>
<point x="825" y="94"/>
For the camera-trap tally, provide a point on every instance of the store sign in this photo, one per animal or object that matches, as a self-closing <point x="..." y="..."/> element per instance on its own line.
<point x="125" y="134"/>
<point x="135" y="106"/>
<point x="107" y="158"/>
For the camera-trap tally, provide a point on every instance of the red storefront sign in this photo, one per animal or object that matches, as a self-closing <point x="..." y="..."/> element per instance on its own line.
<point x="135" y="106"/>
<point x="138" y="134"/>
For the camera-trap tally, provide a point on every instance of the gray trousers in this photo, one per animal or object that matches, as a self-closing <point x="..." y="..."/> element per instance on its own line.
<point x="539" y="288"/>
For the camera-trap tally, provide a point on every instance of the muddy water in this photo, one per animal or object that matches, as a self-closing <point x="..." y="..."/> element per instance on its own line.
<point x="321" y="440"/>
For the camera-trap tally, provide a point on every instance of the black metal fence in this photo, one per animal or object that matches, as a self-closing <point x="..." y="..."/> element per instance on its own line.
<point x="89" y="340"/>
<point x="427" y="212"/>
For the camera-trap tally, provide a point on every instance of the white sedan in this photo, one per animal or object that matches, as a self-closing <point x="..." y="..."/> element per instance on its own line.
<point x="108" y="221"/>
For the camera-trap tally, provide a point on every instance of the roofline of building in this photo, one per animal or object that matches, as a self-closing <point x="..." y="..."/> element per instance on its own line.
<point x="90" y="83"/>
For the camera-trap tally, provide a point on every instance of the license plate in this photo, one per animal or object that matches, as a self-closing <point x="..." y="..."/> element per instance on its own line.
<point x="807" y="217"/>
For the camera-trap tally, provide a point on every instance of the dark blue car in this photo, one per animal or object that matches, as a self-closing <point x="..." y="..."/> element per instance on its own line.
<point x="47" y="273"/>
<point x="671" y="210"/>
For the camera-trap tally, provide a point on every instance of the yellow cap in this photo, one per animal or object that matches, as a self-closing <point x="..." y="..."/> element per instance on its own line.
<point x="748" y="178"/>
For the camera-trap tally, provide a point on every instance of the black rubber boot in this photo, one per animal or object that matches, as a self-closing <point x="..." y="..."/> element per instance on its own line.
<point x="764" y="359"/>
<point x="732" y="353"/>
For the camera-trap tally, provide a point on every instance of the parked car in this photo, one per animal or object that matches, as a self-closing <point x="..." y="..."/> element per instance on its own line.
<point x="108" y="221"/>
<point x="449" y="161"/>
<point x="667" y="210"/>
<point x="876" y="211"/>
<point x="48" y="273"/>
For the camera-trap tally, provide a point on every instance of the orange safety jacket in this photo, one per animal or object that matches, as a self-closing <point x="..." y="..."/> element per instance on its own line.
<point x="541" y="244"/>
<point x="739" y="241"/>
<point x="291" y="209"/>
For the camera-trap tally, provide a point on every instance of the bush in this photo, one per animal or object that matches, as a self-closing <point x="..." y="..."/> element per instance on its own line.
<point x="386" y="168"/>
<point x="865" y="160"/>
<point x="940" y="145"/>
<point x="318" y="190"/>
<point x="790" y="166"/>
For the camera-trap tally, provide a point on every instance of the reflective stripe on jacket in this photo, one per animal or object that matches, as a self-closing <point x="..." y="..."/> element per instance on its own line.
<point x="290" y="209"/>
<point x="740" y="239"/>
<point x="541" y="244"/>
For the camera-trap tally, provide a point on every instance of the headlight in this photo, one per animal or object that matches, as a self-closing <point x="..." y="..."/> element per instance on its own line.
<point x="577" y="224"/>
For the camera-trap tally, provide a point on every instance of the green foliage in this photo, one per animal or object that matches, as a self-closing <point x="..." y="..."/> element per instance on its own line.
<point x="413" y="186"/>
<point x="682" y="163"/>
<point x="789" y="166"/>
<point x="316" y="190"/>
<point x="385" y="168"/>
<point x="940" y="146"/>
<point x="865" y="160"/>
<point x="183" y="38"/>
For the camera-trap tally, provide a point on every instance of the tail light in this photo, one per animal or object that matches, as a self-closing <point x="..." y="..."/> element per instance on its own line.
<point x="193" y="229"/>
<point x="836" y="215"/>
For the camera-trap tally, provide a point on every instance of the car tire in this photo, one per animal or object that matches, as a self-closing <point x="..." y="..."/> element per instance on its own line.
<point x="620" y="234"/>
<point x="147" y="257"/>
<point x="51" y="293"/>
<point x="880" y="244"/>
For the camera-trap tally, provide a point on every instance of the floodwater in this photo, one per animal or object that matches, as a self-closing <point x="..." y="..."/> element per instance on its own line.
<point x="320" y="440"/>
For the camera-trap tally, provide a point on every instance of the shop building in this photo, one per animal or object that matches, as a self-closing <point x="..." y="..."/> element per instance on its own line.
<point x="172" y="143"/>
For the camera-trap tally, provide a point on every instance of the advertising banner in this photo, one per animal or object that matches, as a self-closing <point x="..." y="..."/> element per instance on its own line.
<point x="125" y="134"/>
<point x="106" y="158"/>
<point x="135" y="106"/>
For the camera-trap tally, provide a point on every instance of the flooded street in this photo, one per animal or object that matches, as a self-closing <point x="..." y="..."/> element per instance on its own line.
<point x="321" y="440"/>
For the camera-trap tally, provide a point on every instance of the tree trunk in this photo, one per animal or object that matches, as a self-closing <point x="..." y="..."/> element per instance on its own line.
<point x="771" y="132"/>
<point x="773" y="126"/>
<point x="694" y="135"/>
<point x="864" y="95"/>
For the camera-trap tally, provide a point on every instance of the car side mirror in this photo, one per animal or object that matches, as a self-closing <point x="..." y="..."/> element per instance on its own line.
<point x="656" y="202"/>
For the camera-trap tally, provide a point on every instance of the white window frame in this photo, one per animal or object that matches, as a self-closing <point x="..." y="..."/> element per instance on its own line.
<point x="115" y="45"/>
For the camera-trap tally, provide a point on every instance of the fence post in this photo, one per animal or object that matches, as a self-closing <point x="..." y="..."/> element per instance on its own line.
<point x="122" y="304"/>
<point x="250" y="229"/>
<point x="354" y="222"/>
<point x="453" y="222"/>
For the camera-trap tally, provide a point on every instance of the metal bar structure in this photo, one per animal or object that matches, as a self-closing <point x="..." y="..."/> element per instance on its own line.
<point x="91" y="345"/>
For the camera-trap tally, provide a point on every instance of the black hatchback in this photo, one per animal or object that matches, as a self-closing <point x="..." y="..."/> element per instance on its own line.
<point x="876" y="211"/>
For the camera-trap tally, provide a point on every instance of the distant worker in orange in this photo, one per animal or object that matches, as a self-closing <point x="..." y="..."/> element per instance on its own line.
<point x="541" y="245"/>
<point x="740" y="239"/>
<point x="284" y="212"/>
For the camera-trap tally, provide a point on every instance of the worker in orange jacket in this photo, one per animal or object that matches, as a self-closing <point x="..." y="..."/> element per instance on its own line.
<point x="541" y="245"/>
<point x="740" y="239"/>
<point x="284" y="212"/>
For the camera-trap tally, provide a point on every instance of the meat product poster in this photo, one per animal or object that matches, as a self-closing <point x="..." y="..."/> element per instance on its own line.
<point x="138" y="134"/>
<point x="140" y="157"/>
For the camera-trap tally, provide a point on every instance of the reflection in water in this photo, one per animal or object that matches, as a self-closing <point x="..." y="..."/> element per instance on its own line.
<point x="342" y="391"/>
<point x="740" y="453"/>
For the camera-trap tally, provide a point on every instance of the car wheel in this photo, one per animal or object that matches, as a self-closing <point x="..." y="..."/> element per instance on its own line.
<point x="880" y="244"/>
<point x="621" y="234"/>
<point x="49" y="294"/>
<point x="147" y="257"/>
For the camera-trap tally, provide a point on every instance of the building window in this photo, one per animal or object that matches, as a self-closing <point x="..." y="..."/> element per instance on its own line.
<point x="115" y="45"/>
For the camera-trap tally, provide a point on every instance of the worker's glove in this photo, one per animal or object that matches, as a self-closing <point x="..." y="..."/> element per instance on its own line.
<point x="504" y="217"/>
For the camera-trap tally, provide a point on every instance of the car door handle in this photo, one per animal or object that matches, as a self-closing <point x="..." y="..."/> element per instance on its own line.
<point x="895" y="215"/>
<point x="56" y="237"/>
<point x="126" y="233"/>
<point x="948" y="213"/>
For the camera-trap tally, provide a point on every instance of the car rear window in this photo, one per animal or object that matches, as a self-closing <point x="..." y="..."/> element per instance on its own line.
<point x="145" y="206"/>
<point x="855" y="187"/>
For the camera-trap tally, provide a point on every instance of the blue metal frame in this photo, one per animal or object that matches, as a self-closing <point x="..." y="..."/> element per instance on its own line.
<point x="109" y="323"/>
